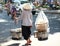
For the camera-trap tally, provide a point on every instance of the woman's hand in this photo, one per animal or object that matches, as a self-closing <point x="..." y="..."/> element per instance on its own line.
<point x="16" y="20"/>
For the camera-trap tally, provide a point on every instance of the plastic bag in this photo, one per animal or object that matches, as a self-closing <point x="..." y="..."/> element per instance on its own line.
<point x="41" y="22"/>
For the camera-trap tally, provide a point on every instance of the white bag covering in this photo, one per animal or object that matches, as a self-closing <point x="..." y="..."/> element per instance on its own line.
<point x="41" y="22"/>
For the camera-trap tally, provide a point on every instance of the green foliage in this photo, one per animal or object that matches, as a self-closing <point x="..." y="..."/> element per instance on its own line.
<point x="2" y="3"/>
<point x="45" y="6"/>
<point x="58" y="7"/>
<point x="37" y="6"/>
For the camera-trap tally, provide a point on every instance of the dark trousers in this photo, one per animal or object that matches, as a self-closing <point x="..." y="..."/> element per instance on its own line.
<point x="26" y="32"/>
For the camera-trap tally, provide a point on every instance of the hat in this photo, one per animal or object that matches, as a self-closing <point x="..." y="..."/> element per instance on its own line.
<point x="27" y="6"/>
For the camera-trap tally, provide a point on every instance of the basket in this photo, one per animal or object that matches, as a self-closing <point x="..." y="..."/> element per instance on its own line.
<point x="16" y="34"/>
<point x="42" y="35"/>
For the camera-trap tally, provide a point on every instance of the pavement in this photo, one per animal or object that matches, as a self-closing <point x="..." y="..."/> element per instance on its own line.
<point x="6" y="24"/>
<point x="53" y="40"/>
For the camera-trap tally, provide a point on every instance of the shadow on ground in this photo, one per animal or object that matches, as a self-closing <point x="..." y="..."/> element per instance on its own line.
<point x="15" y="44"/>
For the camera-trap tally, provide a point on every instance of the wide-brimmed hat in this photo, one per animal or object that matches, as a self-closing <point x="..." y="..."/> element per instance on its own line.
<point x="27" y="6"/>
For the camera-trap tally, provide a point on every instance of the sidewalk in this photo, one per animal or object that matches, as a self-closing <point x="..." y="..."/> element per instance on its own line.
<point x="53" y="40"/>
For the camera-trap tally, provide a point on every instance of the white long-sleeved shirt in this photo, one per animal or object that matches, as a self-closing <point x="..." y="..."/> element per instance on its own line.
<point x="27" y="18"/>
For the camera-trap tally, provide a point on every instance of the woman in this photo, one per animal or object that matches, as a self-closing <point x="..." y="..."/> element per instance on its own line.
<point x="13" y="12"/>
<point x="26" y="17"/>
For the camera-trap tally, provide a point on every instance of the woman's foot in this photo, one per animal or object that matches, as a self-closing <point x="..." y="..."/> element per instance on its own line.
<point x="28" y="42"/>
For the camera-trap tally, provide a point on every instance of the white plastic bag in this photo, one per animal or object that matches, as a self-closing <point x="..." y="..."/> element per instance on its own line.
<point x="41" y="22"/>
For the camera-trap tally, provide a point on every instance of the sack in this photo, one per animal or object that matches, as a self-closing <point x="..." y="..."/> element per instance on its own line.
<point x="41" y="27"/>
<point x="41" y="22"/>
